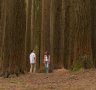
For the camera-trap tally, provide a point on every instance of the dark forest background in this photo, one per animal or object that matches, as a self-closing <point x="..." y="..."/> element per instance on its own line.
<point x="65" y="28"/>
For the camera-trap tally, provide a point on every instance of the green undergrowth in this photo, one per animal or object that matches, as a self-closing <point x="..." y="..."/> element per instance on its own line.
<point x="83" y="62"/>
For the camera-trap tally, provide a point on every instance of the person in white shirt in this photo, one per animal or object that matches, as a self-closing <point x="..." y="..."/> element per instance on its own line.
<point x="32" y="61"/>
<point x="46" y="61"/>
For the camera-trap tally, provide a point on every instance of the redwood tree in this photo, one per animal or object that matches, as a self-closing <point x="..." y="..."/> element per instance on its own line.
<point x="13" y="60"/>
<point x="80" y="36"/>
<point x="45" y="30"/>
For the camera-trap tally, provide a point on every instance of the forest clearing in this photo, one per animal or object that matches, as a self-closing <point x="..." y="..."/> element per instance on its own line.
<point x="60" y="79"/>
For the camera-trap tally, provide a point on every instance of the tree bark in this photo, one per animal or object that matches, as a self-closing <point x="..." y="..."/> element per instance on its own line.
<point x="14" y="36"/>
<point x="45" y="30"/>
<point x="37" y="30"/>
<point x="32" y="23"/>
<point x="66" y="5"/>
<point x="52" y="24"/>
<point x="2" y="30"/>
<point x="62" y="50"/>
<point x="28" y="32"/>
<point x="80" y="34"/>
<point x="93" y="14"/>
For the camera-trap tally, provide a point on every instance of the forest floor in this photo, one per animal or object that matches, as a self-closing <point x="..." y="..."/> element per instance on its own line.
<point x="58" y="80"/>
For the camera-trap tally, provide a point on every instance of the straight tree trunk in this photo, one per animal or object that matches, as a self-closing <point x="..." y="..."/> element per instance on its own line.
<point x="14" y="35"/>
<point x="62" y="26"/>
<point x="80" y="34"/>
<point x="32" y="23"/>
<point x="57" y="35"/>
<point x="37" y="30"/>
<point x="28" y="32"/>
<point x="93" y="14"/>
<point x="62" y="50"/>
<point x="2" y="29"/>
<point x="66" y="31"/>
<point x="52" y="24"/>
<point x="45" y="30"/>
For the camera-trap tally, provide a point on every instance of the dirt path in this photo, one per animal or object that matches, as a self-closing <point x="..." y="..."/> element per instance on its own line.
<point x="58" y="80"/>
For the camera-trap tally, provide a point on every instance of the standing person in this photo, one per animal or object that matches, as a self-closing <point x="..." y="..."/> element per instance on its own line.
<point x="32" y="61"/>
<point x="46" y="61"/>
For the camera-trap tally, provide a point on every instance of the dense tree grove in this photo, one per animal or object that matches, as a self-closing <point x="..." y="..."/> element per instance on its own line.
<point x="65" y="28"/>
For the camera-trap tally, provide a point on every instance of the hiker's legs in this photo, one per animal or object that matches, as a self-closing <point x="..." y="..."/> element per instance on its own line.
<point x="46" y="67"/>
<point x="46" y="70"/>
<point x="30" y="68"/>
<point x="34" y="69"/>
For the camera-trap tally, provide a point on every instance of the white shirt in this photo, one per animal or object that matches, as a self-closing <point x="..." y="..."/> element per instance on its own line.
<point x="46" y="58"/>
<point x="32" y="58"/>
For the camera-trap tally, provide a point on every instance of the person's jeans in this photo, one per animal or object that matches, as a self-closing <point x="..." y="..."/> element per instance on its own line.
<point x="46" y="66"/>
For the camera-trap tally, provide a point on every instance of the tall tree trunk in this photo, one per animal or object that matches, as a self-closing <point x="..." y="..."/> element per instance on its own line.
<point x="57" y="35"/>
<point x="28" y="32"/>
<point x="66" y="31"/>
<point x="32" y="23"/>
<point x="52" y="24"/>
<point x="14" y="36"/>
<point x="37" y="30"/>
<point x="80" y="34"/>
<point x="45" y="29"/>
<point x="62" y="27"/>
<point x="93" y="14"/>
<point x="2" y="29"/>
<point x="62" y="50"/>
<point x="7" y="35"/>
